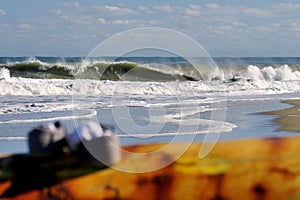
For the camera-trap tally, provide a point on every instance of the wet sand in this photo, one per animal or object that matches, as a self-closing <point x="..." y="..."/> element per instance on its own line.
<point x="289" y="119"/>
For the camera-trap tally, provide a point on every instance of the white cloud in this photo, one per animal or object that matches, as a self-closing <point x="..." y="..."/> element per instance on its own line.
<point x="238" y="11"/>
<point x="65" y="17"/>
<point x="268" y="28"/>
<point x="209" y="22"/>
<point x="255" y="12"/>
<point x="193" y="10"/>
<point x="236" y="23"/>
<point x="212" y="6"/>
<point x="145" y="9"/>
<point x="154" y="22"/>
<point x="164" y="8"/>
<point x="290" y="30"/>
<point x="124" y="22"/>
<point x="69" y="4"/>
<point x="195" y="7"/>
<point x="118" y="10"/>
<point x="2" y="12"/>
<point x="4" y="28"/>
<point x="56" y="11"/>
<point x="27" y="27"/>
<point x="294" y="26"/>
<point x="101" y="20"/>
<point x="60" y="13"/>
<point x="286" y="6"/>
<point x="223" y="30"/>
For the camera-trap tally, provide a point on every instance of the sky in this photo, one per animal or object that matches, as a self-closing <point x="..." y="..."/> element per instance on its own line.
<point x="223" y="27"/>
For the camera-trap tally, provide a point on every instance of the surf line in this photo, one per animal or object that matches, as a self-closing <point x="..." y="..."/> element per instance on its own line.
<point x="12" y="138"/>
<point x="92" y="114"/>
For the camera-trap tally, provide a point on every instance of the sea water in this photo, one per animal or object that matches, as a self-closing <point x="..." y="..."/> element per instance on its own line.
<point x="145" y="99"/>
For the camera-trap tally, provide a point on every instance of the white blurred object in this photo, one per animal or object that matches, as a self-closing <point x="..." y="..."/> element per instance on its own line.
<point x="44" y="139"/>
<point x="102" y="145"/>
<point x="85" y="131"/>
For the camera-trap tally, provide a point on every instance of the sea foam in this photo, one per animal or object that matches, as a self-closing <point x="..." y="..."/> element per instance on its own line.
<point x="4" y="74"/>
<point x="282" y="73"/>
<point x="282" y="79"/>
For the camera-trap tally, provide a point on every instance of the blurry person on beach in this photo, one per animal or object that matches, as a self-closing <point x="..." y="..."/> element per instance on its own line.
<point x="89" y="141"/>
<point x="47" y="140"/>
<point x="95" y="142"/>
<point x="88" y="147"/>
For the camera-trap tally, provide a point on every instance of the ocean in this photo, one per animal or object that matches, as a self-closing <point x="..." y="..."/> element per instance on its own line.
<point x="147" y="99"/>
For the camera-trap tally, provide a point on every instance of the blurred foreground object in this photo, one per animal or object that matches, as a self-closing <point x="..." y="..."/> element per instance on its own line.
<point x="247" y="169"/>
<point x="55" y="156"/>
<point x="94" y="141"/>
<point x="47" y="139"/>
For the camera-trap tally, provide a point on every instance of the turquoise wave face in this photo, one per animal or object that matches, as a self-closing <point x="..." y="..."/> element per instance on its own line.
<point x="38" y="71"/>
<point x="136" y="68"/>
<point x="116" y="71"/>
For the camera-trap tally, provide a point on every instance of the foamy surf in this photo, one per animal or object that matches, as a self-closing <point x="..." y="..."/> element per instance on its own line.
<point x="253" y="81"/>
<point x="207" y="127"/>
<point x="281" y="79"/>
<point x="71" y="117"/>
<point x="37" y="86"/>
<point x="13" y="138"/>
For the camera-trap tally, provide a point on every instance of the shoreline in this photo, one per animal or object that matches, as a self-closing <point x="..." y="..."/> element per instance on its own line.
<point x="288" y="119"/>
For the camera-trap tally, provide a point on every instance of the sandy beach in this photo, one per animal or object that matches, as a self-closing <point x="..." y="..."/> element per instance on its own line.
<point x="289" y="118"/>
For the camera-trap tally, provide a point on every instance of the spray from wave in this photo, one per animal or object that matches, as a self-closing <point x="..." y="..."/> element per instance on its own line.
<point x="99" y="69"/>
<point x="56" y="76"/>
<point x="282" y="73"/>
<point x="145" y="69"/>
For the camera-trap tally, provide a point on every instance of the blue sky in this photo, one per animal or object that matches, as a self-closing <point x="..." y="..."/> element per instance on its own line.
<point x="223" y="28"/>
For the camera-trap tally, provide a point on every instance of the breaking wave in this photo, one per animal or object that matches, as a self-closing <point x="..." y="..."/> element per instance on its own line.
<point x="145" y="69"/>
<point x="51" y="76"/>
<point x="98" y="70"/>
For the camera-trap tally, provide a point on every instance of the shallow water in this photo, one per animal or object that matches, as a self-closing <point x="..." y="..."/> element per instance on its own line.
<point x="241" y="112"/>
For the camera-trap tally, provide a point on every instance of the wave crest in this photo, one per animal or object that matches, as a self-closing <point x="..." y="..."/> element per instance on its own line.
<point x="100" y="70"/>
<point x="144" y="69"/>
<point x="270" y="73"/>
